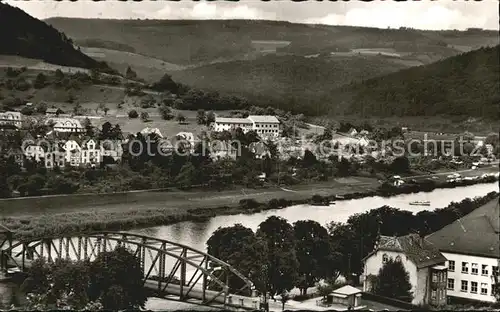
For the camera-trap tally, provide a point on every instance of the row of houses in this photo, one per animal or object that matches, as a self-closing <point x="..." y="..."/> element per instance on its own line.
<point x="75" y="151"/>
<point x="458" y="262"/>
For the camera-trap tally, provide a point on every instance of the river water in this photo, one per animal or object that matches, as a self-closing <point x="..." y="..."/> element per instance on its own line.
<point x="196" y="234"/>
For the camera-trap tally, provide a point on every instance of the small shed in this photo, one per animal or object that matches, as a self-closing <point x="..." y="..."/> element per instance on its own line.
<point x="346" y="295"/>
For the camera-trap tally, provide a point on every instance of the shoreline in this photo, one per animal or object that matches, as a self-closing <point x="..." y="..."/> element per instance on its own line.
<point x="74" y="223"/>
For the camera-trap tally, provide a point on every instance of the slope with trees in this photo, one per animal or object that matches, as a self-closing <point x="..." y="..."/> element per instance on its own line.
<point x="466" y="84"/>
<point x="23" y="35"/>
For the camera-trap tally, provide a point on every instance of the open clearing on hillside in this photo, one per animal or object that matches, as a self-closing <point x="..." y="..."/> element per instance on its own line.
<point x="144" y="66"/>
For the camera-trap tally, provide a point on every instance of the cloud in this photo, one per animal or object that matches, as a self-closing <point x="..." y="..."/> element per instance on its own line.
<point x="442" y="14"/>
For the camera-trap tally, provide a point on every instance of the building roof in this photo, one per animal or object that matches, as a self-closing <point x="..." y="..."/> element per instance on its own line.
<point x="232" y="120"/>
<point x="474" y="234"/>
<point x="419" y="251"/>
<point x="53" y="110"/>
<point x="263" y="118"/>
<point x="347" y="290"/>
<point x="149" y="130"/>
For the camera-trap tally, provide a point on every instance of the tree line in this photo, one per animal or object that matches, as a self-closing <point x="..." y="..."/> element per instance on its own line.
<point x="280" y="256"/>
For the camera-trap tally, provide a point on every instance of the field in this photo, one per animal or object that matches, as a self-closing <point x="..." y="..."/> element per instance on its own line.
<point x="146" y="67"/>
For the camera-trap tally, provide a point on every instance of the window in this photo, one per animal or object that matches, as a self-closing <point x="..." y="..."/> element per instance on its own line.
<point x="464" y="286"/>
<point x="451" y="266"/>
<point x="398" y="258"/>
<point x="493" y="289"/>
<point x="451" y="284"/>
<point x="484" y="269"/>
<point x="494" y="270"/>
<point x="474" y="268"/>
<point x="385" y="258"/>
<point x="473" y="287"/>
<point x="465" y="267"/>
<point x="484" y="289"/>
<point x="433" y="294"/>
<point x="434" y="277"/>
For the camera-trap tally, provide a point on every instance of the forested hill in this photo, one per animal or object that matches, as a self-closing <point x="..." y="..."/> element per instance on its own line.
<point x="466" y="84"/>
<point x="26" y="36"/>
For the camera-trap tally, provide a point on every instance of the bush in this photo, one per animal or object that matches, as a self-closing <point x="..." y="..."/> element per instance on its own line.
<point x="249" y="203"/>
<point x="27" y="110"/>
<point x="133" y="114"/>
<point x="144" y="116"/>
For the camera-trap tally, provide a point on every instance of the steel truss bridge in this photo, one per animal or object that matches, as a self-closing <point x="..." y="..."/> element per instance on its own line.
<point x="171" y="270"/>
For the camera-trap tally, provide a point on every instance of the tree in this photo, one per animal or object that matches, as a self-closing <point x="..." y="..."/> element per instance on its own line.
<point x="309" y="159"/>
<point x="27" y="110"/>
<point x="400" y="165"/>
<point x="99" y="107"/>
<point x="393" y="281"/>
<point x="40" y="81"/>
<point x="130" y="74"/>
<point x="210" y="118"/>
<point x="180" y="118"/>
<point x="165" y="112"/>
<point x="313" y="253"/>
<point x="238" y="246"/>
<point x="41" y="107"/>
<point x="105" y="109"/>
<point x="133" y="114"/>
<point x="116" y="280"/>
<point x="281" y="268"/>
<point x="77" y="109"/>
<point x="144" y="116"/>
<point x="166" y="84"/>
<point x="201" y="117"/>
<point x="186" y="176"/>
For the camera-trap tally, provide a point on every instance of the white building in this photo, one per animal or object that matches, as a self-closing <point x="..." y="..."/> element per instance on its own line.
<point x="264" y="126"/>
<point x="227" y="124"/>
<point x="69" y="125"/>
<point x="11" y="118"/>
<point x="73" y="153"/>
<point x="91" y="153"/>
<point x="55" y="157"/>
<point x="471" y="247"/>
<point x="423" y="262"/>
<point x="34" y="152"/>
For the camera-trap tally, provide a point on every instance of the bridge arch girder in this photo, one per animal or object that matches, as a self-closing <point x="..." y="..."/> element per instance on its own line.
<point x="59" y="247"/>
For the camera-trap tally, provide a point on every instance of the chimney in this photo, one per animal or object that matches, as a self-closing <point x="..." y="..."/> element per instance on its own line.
<point x="421" y="237"/>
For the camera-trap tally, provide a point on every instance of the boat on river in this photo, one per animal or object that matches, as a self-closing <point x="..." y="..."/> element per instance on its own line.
<point x="420" y="203"/>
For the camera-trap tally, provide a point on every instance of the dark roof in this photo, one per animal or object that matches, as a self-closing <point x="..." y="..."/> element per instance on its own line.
<point x="420" y="252"/>
<point x="474" y="234"/>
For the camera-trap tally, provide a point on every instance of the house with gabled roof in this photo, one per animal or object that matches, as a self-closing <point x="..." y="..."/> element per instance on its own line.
<point x="55" y="156"/>
<point x="471" y="246"/>
<point x="91" y="153"/>
<point x="423" y="262"/>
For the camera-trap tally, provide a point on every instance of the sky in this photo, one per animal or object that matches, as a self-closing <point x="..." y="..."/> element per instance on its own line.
<point x="424" y="14"/>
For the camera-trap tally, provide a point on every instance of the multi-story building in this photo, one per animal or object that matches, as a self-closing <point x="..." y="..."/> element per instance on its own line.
<point x="73" y="152"/>
<point x="264" y="126"/>
<point x="91" y="153"/>
<point x="55" y="156"/>
<point x="471" y="247"/>
<point x="227" y="124"/>
<point x="70" y="125"/>
<point x="34" y="152"/>
<point x="423" y="262"/>
<point x="11" y="118"/>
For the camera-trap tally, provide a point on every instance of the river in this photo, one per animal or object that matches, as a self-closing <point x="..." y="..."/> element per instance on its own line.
<point x="196" y="234"/>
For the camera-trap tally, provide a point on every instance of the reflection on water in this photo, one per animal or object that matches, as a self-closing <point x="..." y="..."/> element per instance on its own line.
<point x="196" y="234"/>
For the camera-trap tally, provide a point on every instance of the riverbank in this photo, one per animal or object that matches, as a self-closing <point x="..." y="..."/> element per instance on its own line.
<point x="107" y="217"/>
